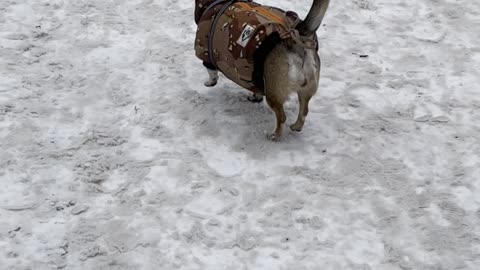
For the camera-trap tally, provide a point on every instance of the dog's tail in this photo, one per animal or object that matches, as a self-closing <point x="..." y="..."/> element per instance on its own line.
<point x="314" y="18"/>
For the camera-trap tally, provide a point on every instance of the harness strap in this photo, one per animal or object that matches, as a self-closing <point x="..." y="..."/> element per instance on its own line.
<point x="215" y="22"/>
<point x="213" y="4"/>
<point x="211" y="53"/>
<point x="308" y="43"/>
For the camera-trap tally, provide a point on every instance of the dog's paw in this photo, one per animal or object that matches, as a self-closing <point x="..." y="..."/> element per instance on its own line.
<point x="296" y="128"/>
<point x="255" y="99"/>
<point x="273" y="137"/>
<point x="211" y="83"/>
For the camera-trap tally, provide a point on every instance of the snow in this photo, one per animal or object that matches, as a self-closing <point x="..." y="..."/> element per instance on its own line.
<point x="113" y="155"/>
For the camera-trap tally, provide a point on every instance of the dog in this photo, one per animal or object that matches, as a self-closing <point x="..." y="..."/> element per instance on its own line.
<point x="263" y="49"/>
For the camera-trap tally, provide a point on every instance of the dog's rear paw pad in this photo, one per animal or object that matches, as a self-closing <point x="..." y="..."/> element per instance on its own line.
<point x="296" y="128"/>
<point x="273" y="137"/>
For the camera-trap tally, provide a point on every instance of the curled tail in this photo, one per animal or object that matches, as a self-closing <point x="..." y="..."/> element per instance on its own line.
<point x="314" y="18"/>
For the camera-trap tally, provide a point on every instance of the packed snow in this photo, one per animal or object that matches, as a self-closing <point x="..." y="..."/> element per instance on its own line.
<point x="113" y="154"/>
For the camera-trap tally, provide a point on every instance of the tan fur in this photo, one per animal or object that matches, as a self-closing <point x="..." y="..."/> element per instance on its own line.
<point x="284" y="60"/>
<point x="291" y="67"/>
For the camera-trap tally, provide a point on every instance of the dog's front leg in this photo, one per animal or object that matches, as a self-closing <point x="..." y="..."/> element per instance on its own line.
<point x="212" y="78"/>
<point x="212" y="75"/>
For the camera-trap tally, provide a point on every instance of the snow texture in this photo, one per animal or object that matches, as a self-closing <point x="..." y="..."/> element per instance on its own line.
<point x="115" y="156"/>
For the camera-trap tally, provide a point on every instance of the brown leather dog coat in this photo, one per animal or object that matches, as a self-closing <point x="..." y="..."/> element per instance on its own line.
<point x="230" y="33"/>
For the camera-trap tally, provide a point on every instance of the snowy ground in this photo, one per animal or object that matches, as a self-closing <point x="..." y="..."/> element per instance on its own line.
<point x="114" y="156"/>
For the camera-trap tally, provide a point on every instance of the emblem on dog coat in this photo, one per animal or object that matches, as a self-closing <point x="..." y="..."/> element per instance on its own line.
<point x="231" y="33"/>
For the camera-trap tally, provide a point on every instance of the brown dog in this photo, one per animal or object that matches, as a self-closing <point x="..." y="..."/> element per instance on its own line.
<point x="264" y="49"/>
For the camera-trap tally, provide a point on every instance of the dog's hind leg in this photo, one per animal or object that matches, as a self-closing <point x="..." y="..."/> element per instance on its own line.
<point x="277" y="107"/>
<point x="306" y="92"/>
<point x="277" y="87"/>
<point x="255" y="98"/>
<point x="212" y="75"/>
<point x="276" y="93"/>
<point x="304" y="97"/>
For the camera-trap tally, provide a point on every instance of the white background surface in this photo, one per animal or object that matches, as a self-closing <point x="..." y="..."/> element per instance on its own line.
<point x="385" y="175"/>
